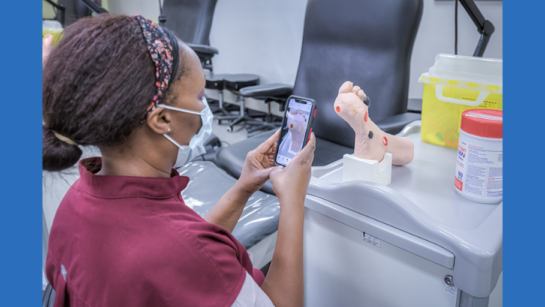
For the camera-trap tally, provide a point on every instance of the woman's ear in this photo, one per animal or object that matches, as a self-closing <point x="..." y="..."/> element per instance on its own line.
<point x="159" y="120"/>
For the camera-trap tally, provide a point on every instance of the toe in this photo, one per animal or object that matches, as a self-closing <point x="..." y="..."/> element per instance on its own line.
<point x="361" y="94"/>
<point x="346" y="87"/>
<point x="356" y="89"/>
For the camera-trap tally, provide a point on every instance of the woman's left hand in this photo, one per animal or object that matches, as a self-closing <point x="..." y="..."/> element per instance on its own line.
<point x="258" y="165"/>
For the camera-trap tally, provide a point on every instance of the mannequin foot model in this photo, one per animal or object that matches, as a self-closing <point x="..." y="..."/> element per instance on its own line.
<point x="371" y="142"/>
<point x="298" y="126"/>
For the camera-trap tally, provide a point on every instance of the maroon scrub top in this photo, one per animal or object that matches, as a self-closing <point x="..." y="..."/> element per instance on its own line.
<point x="131" y="241"/>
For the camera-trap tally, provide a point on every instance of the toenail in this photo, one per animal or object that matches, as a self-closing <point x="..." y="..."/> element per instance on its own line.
<point x="370" y="134"/>
<point x="338" y="109"/>
<point x="365" y="117"/>
<point x="291" y="126"/>
<point x="385" y="141"/>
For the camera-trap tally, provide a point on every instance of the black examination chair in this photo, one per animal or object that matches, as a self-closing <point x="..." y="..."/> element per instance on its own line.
<point x="364" y="41"/>
<point x="191" y="21"/>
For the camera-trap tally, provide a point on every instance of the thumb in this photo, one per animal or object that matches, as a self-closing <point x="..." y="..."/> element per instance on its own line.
<point x="267" y="172"/>
<point x="274" y="170"/>
<point x="308" y="150"/>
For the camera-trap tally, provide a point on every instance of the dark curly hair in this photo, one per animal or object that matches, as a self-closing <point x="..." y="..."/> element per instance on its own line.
<point x="97" y="85"/>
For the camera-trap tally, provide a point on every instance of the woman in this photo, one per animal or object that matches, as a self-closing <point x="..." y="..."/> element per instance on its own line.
<point x="122" y="235"/>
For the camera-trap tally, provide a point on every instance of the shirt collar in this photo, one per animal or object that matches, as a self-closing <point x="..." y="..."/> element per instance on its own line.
<point x="128" y="186"/>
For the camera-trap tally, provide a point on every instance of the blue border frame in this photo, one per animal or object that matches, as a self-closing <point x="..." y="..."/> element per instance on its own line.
<point x="524" y="122"/>
<point x="21" y="220"/>
<point x="524" y="208"/>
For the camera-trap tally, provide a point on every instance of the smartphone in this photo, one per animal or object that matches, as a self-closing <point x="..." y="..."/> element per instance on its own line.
<point x="296" y="128"/>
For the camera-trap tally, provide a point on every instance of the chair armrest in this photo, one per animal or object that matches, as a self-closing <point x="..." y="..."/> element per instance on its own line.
<point x="264" y="91"/>
<point x="394" y="124"/>
<point x="414" y="105"/>
<point x="204" y="50"/>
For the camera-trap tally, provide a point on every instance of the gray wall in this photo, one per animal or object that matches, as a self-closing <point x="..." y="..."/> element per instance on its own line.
<point x="264" y="36"/>
<point x="259" y="36"/>
<point x="146" y="8"/>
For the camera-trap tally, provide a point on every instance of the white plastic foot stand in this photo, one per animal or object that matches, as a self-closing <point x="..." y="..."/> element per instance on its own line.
<point x="355" y="168"/>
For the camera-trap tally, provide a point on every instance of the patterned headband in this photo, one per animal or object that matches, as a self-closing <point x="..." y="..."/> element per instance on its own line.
<point x="163" y="48"/>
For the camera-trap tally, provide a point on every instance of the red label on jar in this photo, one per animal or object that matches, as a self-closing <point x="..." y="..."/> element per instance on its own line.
<point x="458" y="184"/>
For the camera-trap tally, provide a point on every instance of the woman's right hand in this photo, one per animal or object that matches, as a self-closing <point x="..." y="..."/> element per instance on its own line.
<point x="291" y="183"/>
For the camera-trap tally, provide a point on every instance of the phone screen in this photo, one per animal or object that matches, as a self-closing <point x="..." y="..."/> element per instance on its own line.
<point x="293" y="131"/>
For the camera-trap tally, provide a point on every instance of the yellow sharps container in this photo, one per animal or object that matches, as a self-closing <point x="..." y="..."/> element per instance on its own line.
<point x="453" y="85"/>
<point x="54" y="28"/>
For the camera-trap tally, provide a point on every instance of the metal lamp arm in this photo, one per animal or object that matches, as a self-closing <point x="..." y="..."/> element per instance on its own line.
<point x="94" y="7"/>
<point x="484" y="26"/>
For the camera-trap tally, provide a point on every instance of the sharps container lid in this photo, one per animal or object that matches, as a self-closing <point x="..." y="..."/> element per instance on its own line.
<point x="483" y="122"/>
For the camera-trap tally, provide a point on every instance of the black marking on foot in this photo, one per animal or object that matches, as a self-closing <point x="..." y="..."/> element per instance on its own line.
<point x="370" y="134"/>
<point x="367" y="101"/>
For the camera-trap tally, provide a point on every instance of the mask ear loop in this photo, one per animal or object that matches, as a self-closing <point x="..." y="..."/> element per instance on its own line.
<point x="182" y="110"/>
<point x="179" y="146"/>
<point x="172" y="140"/>
<point x="201" y="113"/>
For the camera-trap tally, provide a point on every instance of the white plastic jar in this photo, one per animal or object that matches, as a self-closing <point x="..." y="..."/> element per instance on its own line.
<point x="479" y="164"/>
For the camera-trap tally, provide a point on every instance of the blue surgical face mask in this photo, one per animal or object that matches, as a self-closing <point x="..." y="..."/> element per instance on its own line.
<point x="195" y="148"/>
